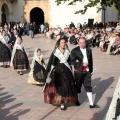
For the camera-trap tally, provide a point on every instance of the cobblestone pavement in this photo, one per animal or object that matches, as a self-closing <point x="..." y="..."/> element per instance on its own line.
<point x="22" y="101"/>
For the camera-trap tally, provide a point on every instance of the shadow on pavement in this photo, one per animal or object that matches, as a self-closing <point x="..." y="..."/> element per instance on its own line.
<point x="101" y="87"/>
<point x="8" y="110"/>
<point x="102" y="113"/>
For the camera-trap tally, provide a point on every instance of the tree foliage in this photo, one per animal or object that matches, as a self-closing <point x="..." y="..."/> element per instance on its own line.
<point x="91" y="3"/>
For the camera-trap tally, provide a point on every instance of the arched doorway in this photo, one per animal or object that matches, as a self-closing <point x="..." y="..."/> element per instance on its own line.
<point x="37" y="16"/>
<point x="5" y="12"/>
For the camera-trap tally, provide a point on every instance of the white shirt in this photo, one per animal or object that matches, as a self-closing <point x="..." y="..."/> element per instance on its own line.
<point x="85" y="59"/>
<point x="108" y="29"/>
<point x="118" y="27"/>
<point x="112" y="40"/>
<point x="56" y="32"/>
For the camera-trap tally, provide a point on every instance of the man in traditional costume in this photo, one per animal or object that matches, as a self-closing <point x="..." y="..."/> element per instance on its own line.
<point x="81" y="59"/>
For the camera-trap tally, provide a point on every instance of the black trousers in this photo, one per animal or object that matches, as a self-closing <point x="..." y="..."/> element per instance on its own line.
<point x="83" y="78"/>
<point x="105" y="46"/>
<point x="113" y="48"/>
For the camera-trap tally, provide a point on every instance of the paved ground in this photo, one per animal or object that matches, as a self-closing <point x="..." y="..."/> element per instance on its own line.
<point x="22" y="101"/>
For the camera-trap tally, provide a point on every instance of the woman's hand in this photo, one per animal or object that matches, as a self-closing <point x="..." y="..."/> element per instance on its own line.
<point x="48" y="80"/>
<point x="77" y="60"/>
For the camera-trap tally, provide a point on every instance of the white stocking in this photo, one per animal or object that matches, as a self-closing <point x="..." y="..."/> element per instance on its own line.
<point x="89" y="94"/>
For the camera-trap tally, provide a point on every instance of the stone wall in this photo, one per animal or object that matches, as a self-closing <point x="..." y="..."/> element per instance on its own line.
<point x="8" y="10"/>
<point x="43" y="4"/>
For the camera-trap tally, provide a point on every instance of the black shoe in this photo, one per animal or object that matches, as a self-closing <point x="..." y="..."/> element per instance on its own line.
<point x="112" y="53"/>
<point x="5" y="66"/>
<point x="77" y="103"/>
<point x="94" y="106"/>
<point x="63" y="108"/>
<point x="20" y="73"/>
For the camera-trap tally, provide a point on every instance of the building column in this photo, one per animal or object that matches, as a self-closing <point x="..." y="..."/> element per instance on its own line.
<point x="7" y="16"/>
<point x="0" y="16"/>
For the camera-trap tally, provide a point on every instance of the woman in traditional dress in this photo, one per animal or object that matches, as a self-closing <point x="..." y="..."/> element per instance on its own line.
<point x="5" y="51"/>
<point x="36" y="76"/>
<point x="60" y="85"/>
<point x="19" y="60"/>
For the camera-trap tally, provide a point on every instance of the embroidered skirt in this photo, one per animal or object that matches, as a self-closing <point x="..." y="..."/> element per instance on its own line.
<point x="20" y="60"/>
<point x="39" y="72"/>
<point x="62" y="88"/>
<point x="5" y="55"/>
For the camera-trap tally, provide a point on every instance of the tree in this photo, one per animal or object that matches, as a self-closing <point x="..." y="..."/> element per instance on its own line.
<point x="91" y="3"/>
<point x="117" y="5"/>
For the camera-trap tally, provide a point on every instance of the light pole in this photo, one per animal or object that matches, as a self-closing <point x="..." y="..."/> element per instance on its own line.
<point x="104" y="7"/>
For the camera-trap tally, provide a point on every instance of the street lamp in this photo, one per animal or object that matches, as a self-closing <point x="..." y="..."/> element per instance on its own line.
<point x="104" y="7"/>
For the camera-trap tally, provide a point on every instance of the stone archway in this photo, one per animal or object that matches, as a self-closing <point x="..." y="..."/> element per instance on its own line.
<point x="5" y="13"/>
<point x="37" y="16"/>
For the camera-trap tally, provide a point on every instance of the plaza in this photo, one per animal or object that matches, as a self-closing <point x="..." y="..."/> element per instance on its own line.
<point x="22" y="101"/>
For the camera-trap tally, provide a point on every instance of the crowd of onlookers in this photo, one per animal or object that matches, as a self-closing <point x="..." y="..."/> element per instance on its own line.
<point x="105" y="37"/>
<point x="23" y="28"/>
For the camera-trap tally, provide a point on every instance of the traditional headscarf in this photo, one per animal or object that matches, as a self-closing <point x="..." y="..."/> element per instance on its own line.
<point x="4" y="40"/>
<point x="35" y="56"/>
<point x="58" y="43"/>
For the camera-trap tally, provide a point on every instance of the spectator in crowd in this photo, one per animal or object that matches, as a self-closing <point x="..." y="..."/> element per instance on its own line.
<point x="27" y="29"/>
<point x="13" y="38"/>
<point x="116" y="45"/>
<point x="118" y="26"/>
<point x="79" y="25"/>
<point x="7" y="32"/>
<point x="111" y="41"/>
<point x="108" y="28"/>
<point x="42" y="28"/>
<point x="72" y="25"/>
<point x="85" y="25"/>
<point x="31" y="31"/>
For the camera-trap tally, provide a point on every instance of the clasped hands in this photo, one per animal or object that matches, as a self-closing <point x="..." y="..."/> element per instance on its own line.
<point x="85" y="64"/>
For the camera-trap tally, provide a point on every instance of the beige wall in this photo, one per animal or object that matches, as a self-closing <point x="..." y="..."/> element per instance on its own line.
<point x="44" y="5"/>
<point x="20" y="10"/>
